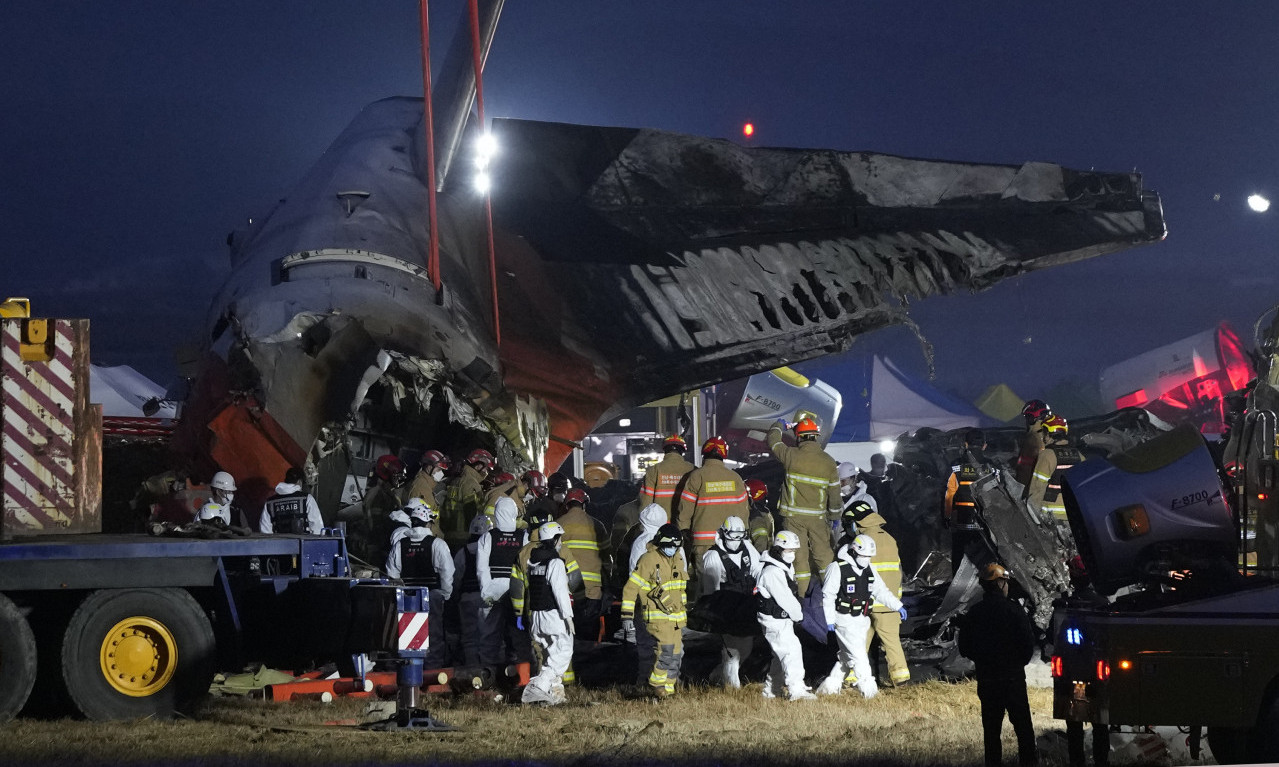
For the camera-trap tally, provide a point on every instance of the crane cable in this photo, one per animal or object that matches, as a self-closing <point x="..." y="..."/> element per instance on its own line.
<point x="477" y="61"/>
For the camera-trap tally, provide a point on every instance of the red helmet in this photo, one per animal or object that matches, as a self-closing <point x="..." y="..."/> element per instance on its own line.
<point x="1036" y="410"/>
<point x="577" y="495"/>
<point x="482" y="457"/>
<point x="388" y="467"/>
<point x="536" y="482"/>
<point x="674" y="441"/>
<point x="1076" y="568"/>
<point x="1056" y="426"/>
<point x="807" y="427"/>
<point x="435" y="458"/>
<point x="715" y="446"/>
<point x="503" y="478"/>
<point x="756" y="490"/>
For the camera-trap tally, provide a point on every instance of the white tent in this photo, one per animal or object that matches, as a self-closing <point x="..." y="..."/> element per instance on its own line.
<point x="122" y="391"/>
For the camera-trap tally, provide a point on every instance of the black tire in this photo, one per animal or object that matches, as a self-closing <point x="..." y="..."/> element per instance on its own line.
<point x="17" y="659"/>
<point x="112" y="637"/>
<point x="1228" y="745"/>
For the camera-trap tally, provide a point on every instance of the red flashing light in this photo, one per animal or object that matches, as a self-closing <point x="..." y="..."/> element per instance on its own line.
<point x="1056" y="665"/>
<point x="1103" y="671"/>
<point x="748" y="130"/>
<point x="1125" y="665"/>
<point x="1132" y="399"/>
<point x="1263" y="496"/>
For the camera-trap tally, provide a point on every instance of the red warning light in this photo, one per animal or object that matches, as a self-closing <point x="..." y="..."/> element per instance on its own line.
<point x="748" y="130"/>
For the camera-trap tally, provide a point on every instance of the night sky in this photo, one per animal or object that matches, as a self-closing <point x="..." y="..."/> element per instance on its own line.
<point x="137" y="134"/>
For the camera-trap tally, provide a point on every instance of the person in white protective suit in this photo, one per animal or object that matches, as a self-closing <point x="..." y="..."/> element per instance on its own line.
<point x="496" y="553"/>
<point x="469" y="603"/>
<point x="850" y="588"/>
<point x="551" y="621"/>
<point x="420" y="559"/>
<point x="222" y="490"/>
<point x="731" y="565"/>
<point x="852" y="489"/>
<point x="777" y="608"/>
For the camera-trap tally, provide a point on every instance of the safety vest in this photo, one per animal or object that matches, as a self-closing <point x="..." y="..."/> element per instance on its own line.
<point x="470" y="582"/>
<point x="964" y="503"/>
<point x="504" y="549"/>
<point x="288" y="512"/>
<point x="417" y="562"/>
<point x="540" y="596"/>
<point x="661" y="480"/>
<point x="736" y="577"/>
<point x="1066" y="457"/>
<point x="767" y="605"/>
<point x="853" y="597"/>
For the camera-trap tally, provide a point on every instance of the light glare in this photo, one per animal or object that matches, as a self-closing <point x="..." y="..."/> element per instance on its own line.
<point x="483" y="183"/>
<point x="1258" y="203"/>
<point x="486" y="145"/>
<point x="887" y="446"/>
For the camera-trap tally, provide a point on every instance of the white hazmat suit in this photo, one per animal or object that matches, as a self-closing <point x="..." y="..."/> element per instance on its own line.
<point x="442" y="561"/>
<point x="495" y="615"/>
<point x="776" y="582"/>
<point x="851" y="628"/>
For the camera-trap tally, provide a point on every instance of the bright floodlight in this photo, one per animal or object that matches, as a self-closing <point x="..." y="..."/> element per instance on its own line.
<point x="1258" y="203"/>
<point x="486" y="145"/>
<point x="887" y="446"/>
<point x="483" y="183"/>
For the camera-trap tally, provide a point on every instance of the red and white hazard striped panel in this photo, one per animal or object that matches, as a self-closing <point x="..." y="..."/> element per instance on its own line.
<point x="38" y="400"/>
<point x="413" y="631"/>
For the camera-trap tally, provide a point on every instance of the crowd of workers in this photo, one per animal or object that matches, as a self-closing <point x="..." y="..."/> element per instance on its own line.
<point x="516" y="566"/>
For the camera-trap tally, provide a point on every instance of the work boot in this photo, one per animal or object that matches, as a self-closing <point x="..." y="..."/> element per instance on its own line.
<point x="802" y="695"/>
<point x="830" y="686"/>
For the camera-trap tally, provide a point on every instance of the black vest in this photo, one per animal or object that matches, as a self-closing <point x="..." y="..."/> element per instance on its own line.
<point x="288" y="512"/>
<point x="768" y="605"/>
<point x="417" y="562"/>
<point x="540" y="596"/>
<point x="470" y="579"/>
<point x="853" y="597"/>
<point x="1066" y="457"/>
<point x="736" y="577"/>
<point x="503" y="552"/>
<point x="964" y="504"/>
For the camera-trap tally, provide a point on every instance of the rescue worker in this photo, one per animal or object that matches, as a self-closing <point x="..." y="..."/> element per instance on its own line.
<point x="885" y="622"/>
<point x="520" y="581"/>
<point x="879" y="484"/>
<point x="470" y="604"/>
<point x="465" y="496"/>
<point x="368" y="527"/>
<point x="849" y="587"/>
<point x="1082" y="595"/>
<point x="657" y="593"/>
<point x="761" y="519"/>
<point x="731" y="567"/>
<point x="419" y="558"/>
<point x="551" y="617"/>
<point x="428" y="483"/>
<point x="777" y="608"/>
<point x="961" y="513"/>
<point x="585" y="537"/>
<point x="218" y="507"/>
<point x="662" y="480"/>
<point x="852" y="488"/>
<point x="549" y="502"/>
<point x="505" y="485"/>
<point x="292" y="509"/>
<point x="1036" y="411"/>
<point x="1043" y="494"/>
<point x="626" y="525"/>
<point x="496" y="553"/>
<point x="997" y="636"/>
<point x="810" y="497"/>
<point x="534" y="486"/>
<point x="712" y="493"/>
<point x="651" y="518"/>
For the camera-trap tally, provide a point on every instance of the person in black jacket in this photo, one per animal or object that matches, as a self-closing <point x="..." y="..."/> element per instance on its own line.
<point x="996" y="635"/>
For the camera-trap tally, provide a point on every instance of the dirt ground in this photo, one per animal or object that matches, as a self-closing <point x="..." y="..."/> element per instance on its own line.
<point x="931" y="723"/>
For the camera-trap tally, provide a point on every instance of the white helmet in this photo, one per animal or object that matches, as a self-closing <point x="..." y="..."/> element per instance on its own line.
<point x="786" y="541"/>
<point x="864" y="546"/>
<point x="847" y="470"/>
<point x="549" y="530"/>
<point x="733" y="529"/>
<point x="420" y="511"/>
<point x="223" y="481"/>
<point x="480" y="525"/>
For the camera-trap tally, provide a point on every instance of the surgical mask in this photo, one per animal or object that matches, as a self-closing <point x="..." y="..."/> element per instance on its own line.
<point x="732" y="544"/>
<point x="845" y="489"/>
<point x="224" y="497"/>
<point x="667" y="551"/>
<point x="528" y="497"/>
<point x="862" y="562"/>
<point x="788" y="557"/>
<point x="437" y="475"/>
<point x="559" y="497"/>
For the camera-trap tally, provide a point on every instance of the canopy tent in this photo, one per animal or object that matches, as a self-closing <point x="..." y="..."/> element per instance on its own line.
<point x="880" y="401"/>
<point x="1000" y="403"/>
<point x="122" y="391"/>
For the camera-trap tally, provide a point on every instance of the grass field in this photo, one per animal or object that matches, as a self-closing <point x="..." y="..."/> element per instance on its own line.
<point x="932" y="723"/>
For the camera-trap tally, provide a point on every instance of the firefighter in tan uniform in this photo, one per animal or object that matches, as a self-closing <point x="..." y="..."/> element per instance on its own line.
<point x="760" y="525"/>
<point x="1035" y="412"/>
<point x="465" y="497"/>
<point x="885" y="622"/>
<point x="587" y="540"/>
<point x="1043" y="494"/>
<point x="505" y="485"/>
<point x="662" y="480"/>
<point x="428" y="483"/>
<point x="657" y="595"/>
<point x="810" y="497"/>
<point x="712" y="494"/>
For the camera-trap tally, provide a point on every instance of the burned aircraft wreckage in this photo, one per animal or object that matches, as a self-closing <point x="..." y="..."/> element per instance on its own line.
<point x="631" y="264"/>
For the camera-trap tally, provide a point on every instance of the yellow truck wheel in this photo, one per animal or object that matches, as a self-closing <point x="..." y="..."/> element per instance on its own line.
<point x="17" y="659"/>
<point x="130" y="653"/>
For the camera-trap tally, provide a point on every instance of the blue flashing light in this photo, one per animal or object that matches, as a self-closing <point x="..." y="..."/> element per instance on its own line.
<point x="1074" y="637"/>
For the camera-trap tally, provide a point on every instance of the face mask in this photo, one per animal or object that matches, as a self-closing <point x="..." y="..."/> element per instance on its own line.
<point x="667" y="551"/>
<point x="227" y="498"/>
<point x="559" y="544"/>
<point x="845" y="490"/>
<point x="788" y="557"/>
<point x="528" y="497"/>
<point x="437" y="475"/>
<point x="862" y="562"/>
<point x="559" y="497"/>
<point x="732" y="545"/>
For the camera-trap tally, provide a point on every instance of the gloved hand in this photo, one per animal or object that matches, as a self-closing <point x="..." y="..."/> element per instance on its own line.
<point x="783" y="424"/>
<point x="519" y="622"/>
<point x="628" y="625"/>
<point x="571" y="628"/>
<point x="830" y="627"/>
<point x="902" y="613"/>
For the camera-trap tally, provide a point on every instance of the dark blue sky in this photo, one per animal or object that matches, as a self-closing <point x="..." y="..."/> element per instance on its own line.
<point x="137" y="134"/>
